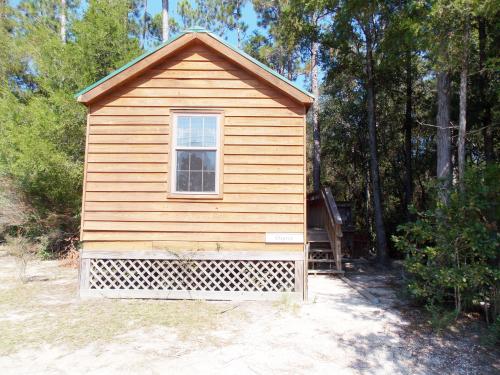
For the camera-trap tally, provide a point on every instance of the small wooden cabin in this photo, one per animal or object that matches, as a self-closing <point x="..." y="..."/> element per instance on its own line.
<point x="194" y="183"/>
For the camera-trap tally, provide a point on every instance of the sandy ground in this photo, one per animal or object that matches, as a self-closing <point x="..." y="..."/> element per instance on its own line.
<point x="338" y="331"/>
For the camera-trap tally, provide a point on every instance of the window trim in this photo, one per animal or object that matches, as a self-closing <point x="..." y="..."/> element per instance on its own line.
<point x="172" y="180"/>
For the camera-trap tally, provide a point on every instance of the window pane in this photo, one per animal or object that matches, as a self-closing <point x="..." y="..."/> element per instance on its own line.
<point x="196" y="131"/>
<point x="195" y="181"/>
<point x="196" y="169"/>
<point x="209" y="161"/>
<point x="209" y="181"/>
<point x="182" y="181"/>
<point x="183" y="133"/>
<point x="210" y="131"/>
<point x="182" y="160"/>
<point x="196" y="160"/>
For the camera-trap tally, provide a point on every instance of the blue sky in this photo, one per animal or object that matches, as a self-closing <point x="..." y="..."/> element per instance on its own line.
<point x="249" y="16"/>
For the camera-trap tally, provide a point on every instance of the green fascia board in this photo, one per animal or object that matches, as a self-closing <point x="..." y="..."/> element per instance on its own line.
<point x="193" y="30"/>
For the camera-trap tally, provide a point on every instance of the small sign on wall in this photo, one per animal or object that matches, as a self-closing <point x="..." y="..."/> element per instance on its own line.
<point x="284" y="237"/>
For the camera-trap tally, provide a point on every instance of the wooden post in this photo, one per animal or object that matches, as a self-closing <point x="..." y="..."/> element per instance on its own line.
<point x="84" y="275"/>
<point x="306" y="271"/>
<point x="299" y="277"/>
<point x="338" y="245"/>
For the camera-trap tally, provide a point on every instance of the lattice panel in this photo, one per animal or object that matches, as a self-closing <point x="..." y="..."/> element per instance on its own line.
<point x="192" y="275"/>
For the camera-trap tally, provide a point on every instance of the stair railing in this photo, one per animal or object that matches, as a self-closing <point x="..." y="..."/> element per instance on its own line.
<point x="333" y="225"/>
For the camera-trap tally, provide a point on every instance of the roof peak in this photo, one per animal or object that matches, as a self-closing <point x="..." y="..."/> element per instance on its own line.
<point x="178" y="41"/>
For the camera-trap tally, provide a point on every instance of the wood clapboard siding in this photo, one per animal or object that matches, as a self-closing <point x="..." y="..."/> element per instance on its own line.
<point x="127" y="177"/>
<point x="129" y="129"/>
<point x="200" y="102"/>
<point x="187" y="246"/>
<point x="205" y="217"/>
<point x="189" y="206"/>
<point x="127" y="139"/>
<point x="228" y="121"/>
<point x="263" y="130"/>
<point x="126" y="203"/>
<point x="205" y="92"/>
<point x="162" y="187"/>
<point x="126" y="148"/>
<point x="263" y="150"/>
<point x="148" y="196"/>
<point x="219" y="237"/>
<point x="208" y="83"/>
<point x="128" y="158"/>
<point x="228" y="111"/>
<point x="198" y="227"/>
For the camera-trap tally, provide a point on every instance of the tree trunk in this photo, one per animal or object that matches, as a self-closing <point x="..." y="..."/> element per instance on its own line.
<point x="62" y="17"/>
<point x="315" y="118"/>
<point x="374" y="166"/>
<point x="164" y="18"/>
<point x="462" y="121"/>
<point x="408" y="178"/>
<point x="144" y="23"/>
<point x="237" y="22"/>
<point x="443" y="145"/>
<point x="485" y="103"/>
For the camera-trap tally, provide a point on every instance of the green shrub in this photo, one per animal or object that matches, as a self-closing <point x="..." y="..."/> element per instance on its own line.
<point x="23" y="250"/>
<point x="452" y="251"/>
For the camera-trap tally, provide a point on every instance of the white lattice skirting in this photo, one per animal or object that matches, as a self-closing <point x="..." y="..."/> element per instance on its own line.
<point x="192" y="275"/>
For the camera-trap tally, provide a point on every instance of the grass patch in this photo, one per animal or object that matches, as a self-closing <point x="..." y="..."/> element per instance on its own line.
<point x="29" y="317"/>
<point x="287" y="303"/>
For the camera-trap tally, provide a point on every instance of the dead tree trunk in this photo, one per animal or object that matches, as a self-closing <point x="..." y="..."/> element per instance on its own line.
<point x="164" y="18"/>
<point x="408" y="125"/>
<point x="315" y="118"/>
<point x="62" y="18"/>
<point x="462" y="121"/>
<point x="374" y="165"/>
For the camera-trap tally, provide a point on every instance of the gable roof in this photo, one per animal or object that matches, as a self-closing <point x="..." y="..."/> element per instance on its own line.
<point x="146" y="60"/>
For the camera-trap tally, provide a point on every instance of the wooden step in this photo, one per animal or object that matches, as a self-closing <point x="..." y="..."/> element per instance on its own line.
<point x="317" y="236"/>
<point x="320" y="250"/>
<point x="319" y="246"/>
<point x="325" y="272"/>
<point x="321" y="260"/>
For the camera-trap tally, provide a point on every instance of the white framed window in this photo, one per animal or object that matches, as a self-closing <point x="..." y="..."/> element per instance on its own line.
<point x="196" y="152"/>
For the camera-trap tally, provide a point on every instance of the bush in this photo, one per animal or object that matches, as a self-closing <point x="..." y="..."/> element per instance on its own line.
<point x="22" y="249"/>
<point x="452" y="252"/>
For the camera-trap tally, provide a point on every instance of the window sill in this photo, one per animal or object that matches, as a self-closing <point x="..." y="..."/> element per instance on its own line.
<point x="193" y="196"/>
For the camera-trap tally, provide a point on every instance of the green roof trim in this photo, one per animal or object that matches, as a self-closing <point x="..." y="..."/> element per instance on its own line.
<point x="195" y="29"/>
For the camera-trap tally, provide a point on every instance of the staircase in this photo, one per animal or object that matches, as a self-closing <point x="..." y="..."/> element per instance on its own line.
<point x="324" y="234"/>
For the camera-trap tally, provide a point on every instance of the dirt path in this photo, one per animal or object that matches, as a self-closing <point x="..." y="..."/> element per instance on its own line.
<point x="45" y="329"/>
